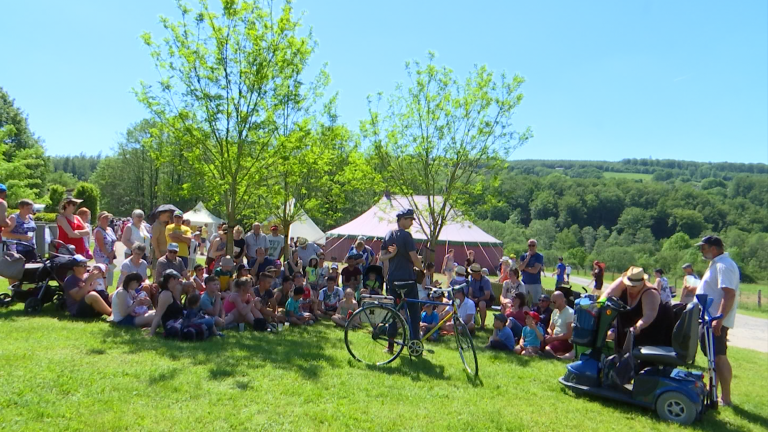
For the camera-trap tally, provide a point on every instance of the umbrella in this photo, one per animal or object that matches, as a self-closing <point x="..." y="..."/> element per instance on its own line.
<point x="161" y="209"/>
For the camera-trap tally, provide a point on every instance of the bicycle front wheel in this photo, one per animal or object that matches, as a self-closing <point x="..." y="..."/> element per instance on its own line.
<point x="375" y="334"/>
<point x="465" y="346"/>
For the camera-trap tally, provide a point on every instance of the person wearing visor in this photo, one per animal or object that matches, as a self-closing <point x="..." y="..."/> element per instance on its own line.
<point x="399" y="251"/>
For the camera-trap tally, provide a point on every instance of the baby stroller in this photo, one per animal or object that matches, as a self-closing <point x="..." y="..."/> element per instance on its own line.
<point x="39" y="283"/>
<point x="377" y="286"/>
<point x="570" y="295"/>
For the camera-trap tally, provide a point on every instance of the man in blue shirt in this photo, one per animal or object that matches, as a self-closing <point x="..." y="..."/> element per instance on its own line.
<point x="559" y="273"/>
<point x="530" y="266"/>
<point x="480" y="291"/>
<point x="399" y="250"/>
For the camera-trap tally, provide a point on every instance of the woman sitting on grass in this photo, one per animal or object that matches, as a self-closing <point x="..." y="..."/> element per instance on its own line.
<point x="128" y="308"/>
<point x="168" y="301"/>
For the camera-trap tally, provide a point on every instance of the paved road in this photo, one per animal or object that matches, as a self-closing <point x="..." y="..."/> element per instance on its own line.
<point x="749" y="332"/>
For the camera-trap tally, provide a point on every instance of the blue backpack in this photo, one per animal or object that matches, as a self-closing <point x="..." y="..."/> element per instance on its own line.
<point x="585" y="314"/>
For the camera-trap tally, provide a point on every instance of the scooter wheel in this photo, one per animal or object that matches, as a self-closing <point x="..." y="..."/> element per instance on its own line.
<point x="675" y="407"/>
<point x="33" y="305"/>
<point x="5" y="300"/>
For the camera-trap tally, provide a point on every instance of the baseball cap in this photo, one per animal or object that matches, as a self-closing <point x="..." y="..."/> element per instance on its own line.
<point x="3" y="188"/>
<point x="173" y="247"/>
<point x="178" y="213"/>
<point x="544" y="297"/>
<point x="80" y="259"/>
<point x="307" y="293"/>
<point x="711" y="241"/>
<point x="534" y="315"/>
<point x="334" y="266"/>
<point x="102" y="267"/>
<point x="501" y="317"/>
<point x="405" y="213"/>
<point x="687" y="265"/>
<point x="274" y="228"/>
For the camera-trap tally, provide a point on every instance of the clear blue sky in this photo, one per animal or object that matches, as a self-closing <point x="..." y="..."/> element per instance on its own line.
<point x="605" y="79"/>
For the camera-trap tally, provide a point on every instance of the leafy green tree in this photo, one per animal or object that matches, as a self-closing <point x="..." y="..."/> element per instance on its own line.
<point x="56" y="194"/>
<point x="689" y="221"/>
<point x="225" y="79"/>
<point x="90" y="196"/>
<point x="589" y="235"/>
<point x="576" y="256"/>
<point x="633" y="219"/>
<point x="438" y="135"/>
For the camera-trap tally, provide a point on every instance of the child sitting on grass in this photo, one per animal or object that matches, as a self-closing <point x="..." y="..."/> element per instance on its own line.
<point x="225" y="273"/>
<point x="530" y="342"/>
<point x="193" y="315"/>
<point x="502" y="338"/>
<point x="429" y="319"/>
<point x="329" y="298"/>
<point x="293" y="313"/>
<point x="346" y="308"/>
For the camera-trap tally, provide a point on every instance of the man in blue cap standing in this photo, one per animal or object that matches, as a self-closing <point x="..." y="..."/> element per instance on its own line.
<point x="4" y="223"/>
<point x="399" y="250"/>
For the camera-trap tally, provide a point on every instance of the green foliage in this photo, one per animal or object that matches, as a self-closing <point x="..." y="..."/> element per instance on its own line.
<point x="438" y="135"/>
<point x="46" y="217"/>
<point x="64" y="179"/>
<point x="56" y="194"/>
<point x="80" y="167"/>
<point x="90" y="196"/>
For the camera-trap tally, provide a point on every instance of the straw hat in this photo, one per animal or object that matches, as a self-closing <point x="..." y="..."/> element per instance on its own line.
<point x="634" y="276"/>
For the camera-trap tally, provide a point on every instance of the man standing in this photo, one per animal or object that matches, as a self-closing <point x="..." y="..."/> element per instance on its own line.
<point x="530" y="266"/>
<point x="276" y="243"/>
<point x="254" y="240"/>
<point x="559" y="273"/>
<point x="720" y="283"/>
<point x="480" y="291"/>
<point x="307" y="250"/>
<point x="399" y="250"/>
<point x="690" y="283"/>
<point x="180" y="234"/>
<point x="159" y="241"/>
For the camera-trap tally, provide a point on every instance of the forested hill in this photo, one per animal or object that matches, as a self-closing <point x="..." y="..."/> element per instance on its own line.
<point x="656" y="169"/>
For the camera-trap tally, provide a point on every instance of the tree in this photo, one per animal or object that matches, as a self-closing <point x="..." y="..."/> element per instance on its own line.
<point x="435" y="136"/>
<point x="689" y="222"/>
<point x="633" y="219"/>
<point x="90" y="196"/>
<point x="224" y="81"/>
<point x="56" y="194"/>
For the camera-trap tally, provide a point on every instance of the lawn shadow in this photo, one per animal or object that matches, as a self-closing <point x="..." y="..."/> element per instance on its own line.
<point x="415" y="368"/>
<point x="249" y="350"/>
<point x="751" y="416"/>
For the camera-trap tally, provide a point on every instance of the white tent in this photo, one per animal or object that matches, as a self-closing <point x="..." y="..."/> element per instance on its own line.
<point x="200" y="216"/>
<point x="303" y="227"/>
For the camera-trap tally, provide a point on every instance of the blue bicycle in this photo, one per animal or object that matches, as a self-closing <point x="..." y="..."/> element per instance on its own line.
<point x="376" y="333"/>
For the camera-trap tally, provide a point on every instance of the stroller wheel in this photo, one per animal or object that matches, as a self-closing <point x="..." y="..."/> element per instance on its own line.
<point x="33" y="305"/>
<point x="5" y="300"/>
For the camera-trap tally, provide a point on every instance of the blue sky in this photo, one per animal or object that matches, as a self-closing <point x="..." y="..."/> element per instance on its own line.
<point x="605" y="80"/>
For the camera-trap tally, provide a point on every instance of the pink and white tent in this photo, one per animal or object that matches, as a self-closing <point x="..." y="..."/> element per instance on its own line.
<point x="458" y="234"/>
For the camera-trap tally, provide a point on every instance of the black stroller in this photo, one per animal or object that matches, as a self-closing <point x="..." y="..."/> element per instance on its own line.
<point x="376" y="287"/>
<point x="38" y="283"/>
<point x="570" y="295"/>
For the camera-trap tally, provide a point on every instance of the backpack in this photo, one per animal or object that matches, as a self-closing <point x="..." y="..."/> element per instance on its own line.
<point x="186" y="330"/>
<point x="585" y="313"/>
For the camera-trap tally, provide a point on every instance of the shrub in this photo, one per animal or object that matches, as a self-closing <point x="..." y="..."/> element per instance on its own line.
<point x="90" y="196"/>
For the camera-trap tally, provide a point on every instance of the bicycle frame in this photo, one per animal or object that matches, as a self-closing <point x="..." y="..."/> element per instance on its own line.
<point x="403" y="309"/>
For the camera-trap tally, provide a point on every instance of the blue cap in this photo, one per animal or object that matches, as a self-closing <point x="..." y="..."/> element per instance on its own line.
<point x="405" y="213"/>
<point x="3" y="188"/>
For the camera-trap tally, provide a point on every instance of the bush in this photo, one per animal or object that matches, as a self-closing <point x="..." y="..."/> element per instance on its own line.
<point x="56" y="194"/>
<point x="46" y="217"/>
<point x="90" y="196"/>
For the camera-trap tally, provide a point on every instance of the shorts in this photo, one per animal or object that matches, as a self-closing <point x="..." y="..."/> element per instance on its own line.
<point x="561" y="347"/>
<point x="128" y="321"/>
<point x="488" y="303"/>
<point x="185" y="260"/>
<point x="84" y="310"/>
<point x="721" y="342"/>
<point x="331" y="309"/>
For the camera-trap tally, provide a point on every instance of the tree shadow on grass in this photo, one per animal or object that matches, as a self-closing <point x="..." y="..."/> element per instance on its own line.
<point x="751" y="417"/>
<point x="225" y="357"/>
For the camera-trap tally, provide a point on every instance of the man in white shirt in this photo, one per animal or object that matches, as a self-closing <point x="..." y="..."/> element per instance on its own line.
<point x="467" y="311"/>
<point x="721" y="283"/>
<point x="558" y="342"/>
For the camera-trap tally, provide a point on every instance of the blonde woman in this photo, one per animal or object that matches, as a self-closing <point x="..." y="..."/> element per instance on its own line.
<point x="239" y="244"/>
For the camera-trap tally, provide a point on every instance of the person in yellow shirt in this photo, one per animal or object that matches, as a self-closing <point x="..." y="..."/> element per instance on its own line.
<point x="180" y="234"/>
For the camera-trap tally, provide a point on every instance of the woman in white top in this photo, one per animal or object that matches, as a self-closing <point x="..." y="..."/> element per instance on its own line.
<point x="134" y="233"/>
<point x="662" y="284"/>
<point x="129" y="309"/>
<point x="134" y="264"/>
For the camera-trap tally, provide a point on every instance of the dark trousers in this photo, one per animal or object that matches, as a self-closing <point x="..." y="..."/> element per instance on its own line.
<point x="414" y="309"/>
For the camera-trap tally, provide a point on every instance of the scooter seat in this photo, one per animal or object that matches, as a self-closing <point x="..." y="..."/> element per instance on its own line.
<point x="660" y="355"/>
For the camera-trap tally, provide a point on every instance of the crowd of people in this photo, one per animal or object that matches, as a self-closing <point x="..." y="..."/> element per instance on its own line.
<point x="267" y="283"/>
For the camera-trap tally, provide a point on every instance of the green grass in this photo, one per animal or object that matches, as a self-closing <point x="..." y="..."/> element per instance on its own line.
<point x="748" y="300"/>
<point x="64" y="374"/>
<point x="628" y="176"/>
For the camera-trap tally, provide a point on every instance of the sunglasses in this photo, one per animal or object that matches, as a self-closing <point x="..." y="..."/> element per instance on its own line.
<point x="173" y="252"/>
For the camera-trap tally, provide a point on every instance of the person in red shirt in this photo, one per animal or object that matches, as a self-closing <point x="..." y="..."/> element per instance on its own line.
<point x="351" y="275"/>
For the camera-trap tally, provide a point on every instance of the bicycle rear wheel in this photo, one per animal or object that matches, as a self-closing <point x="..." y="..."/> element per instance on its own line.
<point x="465" y="346"/>
<point x="375" y="334"/>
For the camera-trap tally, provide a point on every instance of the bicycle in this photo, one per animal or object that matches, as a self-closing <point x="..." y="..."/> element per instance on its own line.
<point x="387" y="325"/>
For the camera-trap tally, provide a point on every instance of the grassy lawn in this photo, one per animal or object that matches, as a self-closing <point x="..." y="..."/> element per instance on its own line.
<point x="63" y="374"/>
<point x="748" y="300"/>
<point x="628" y="176"/>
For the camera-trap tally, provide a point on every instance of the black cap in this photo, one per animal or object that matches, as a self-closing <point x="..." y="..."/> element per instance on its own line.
<point x="544" y="297"/>
<point x="500" y="317"/>
<point x="711" y="241"/>
<point x="405" y="213"/>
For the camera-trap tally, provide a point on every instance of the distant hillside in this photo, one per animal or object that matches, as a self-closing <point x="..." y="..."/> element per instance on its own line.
<point x="645" y="169"/>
